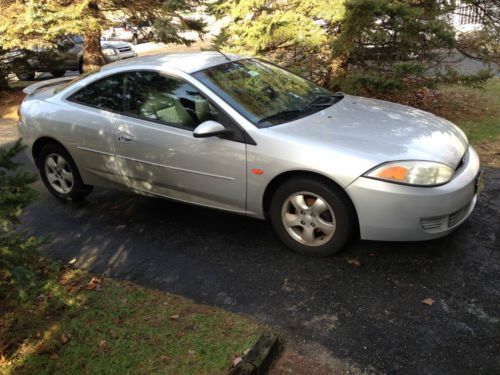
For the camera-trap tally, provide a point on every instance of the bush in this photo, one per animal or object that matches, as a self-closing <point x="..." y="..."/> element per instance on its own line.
<point x="17" y="250"/>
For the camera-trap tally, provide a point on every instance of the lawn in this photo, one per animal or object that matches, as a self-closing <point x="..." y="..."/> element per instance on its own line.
<point x="475" y="110"/>
<point x="72" y="322"/>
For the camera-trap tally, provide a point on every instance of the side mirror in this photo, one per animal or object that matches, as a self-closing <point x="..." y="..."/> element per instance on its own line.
<point x="209" y="129"/>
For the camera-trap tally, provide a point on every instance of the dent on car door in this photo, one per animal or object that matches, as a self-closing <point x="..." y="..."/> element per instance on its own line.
<point x="157" y="153"/>
<point x="93" y="115"/>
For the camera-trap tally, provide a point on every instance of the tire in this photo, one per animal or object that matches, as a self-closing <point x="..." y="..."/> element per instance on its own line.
<point x="312" y="217"/>
<point x="60" y="174"/>
<point x="57" y="73"/>
<point x="135" y="40"/>
<point x="23" y="71"/>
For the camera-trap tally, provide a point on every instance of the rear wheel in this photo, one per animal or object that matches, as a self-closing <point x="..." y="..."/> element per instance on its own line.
<point x="60" y="174"/>
<point x="57" y="73"/>
<point x="23" y="71"/>
<point x="311" y="217"/>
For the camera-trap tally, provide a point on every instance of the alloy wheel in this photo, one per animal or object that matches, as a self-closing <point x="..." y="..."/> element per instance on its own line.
<point x="59" y="173"/>
<point x="308" y="218"/>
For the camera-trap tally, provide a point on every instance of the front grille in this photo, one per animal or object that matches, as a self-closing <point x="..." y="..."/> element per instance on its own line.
<point x="432" y="224"/>
<point x="456" y="216"/>
<point x="462" y="161"/>
<point x="441" y="223"/>
<point x="124" y="49"/>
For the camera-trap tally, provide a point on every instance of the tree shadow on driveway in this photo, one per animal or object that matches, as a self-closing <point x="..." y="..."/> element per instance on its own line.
<point x="370" y="314"/>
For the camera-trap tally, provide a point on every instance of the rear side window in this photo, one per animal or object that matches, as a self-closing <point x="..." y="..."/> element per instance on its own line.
<point x="106" y="93"/>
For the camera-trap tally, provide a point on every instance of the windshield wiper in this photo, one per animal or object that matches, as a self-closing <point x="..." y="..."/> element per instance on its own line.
<point x="281" y="115"/>
<point x="289" y="113"/>
<point x="332" y="99"/>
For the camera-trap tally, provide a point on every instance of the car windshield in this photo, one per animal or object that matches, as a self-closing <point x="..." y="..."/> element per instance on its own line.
<point x="263" y="93"/>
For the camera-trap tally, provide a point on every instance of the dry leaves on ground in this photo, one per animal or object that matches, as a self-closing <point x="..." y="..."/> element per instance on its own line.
<point x="103" y="346"/>
<point x="354" y="261"/>
<point x="428" y="301"/>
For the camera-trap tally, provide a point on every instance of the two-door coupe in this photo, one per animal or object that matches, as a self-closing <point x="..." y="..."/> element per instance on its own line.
<point x="245" y="136"/>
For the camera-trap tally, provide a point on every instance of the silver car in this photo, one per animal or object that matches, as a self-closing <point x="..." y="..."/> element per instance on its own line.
<point x="245" y="136"/>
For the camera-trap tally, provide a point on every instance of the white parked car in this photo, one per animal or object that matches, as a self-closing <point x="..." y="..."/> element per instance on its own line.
<point x="124" y="31"/>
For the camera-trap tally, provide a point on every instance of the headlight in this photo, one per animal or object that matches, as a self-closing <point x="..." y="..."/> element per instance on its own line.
<point x="108" y="51"/>
<point x="420" y="173"/>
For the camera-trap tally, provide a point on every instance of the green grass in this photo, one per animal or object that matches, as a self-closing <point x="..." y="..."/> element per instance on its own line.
<point x="475" y="110"/>
<point x="114" y="327"/>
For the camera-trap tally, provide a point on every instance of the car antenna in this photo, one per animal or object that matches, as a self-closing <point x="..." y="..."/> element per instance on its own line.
<point x="223" y="54"/>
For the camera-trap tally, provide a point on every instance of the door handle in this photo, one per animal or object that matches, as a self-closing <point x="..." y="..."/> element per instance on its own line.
<point x="125" y="138"/>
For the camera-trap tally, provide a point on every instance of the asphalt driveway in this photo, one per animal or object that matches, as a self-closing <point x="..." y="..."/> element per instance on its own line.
<point x="369" y="314"/>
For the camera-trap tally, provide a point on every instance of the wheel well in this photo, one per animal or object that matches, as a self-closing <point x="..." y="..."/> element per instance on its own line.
<point x="280" y="179"/>
<point x="40" y="143"/>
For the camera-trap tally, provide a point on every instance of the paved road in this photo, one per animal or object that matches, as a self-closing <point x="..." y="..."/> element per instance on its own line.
<point x="371" y="315"/>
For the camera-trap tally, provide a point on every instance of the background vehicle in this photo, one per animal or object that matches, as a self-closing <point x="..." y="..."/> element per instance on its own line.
<point x="67" y="56"/>
<point x="141" y="31"/>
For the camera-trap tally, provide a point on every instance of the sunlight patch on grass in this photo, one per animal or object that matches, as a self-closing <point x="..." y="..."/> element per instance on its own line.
<point x="475" y="110"/>
<point x="80" y="324"/>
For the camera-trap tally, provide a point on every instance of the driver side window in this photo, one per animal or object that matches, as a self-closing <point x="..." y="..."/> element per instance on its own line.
<point x="156" y="97"/>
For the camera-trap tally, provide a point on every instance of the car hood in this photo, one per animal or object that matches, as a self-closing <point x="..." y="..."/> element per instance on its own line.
<point x="380" y="131"/>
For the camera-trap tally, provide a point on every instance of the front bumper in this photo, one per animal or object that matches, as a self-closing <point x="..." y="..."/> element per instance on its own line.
<point x="392" y="212"/>
<point x="120" y="56"/>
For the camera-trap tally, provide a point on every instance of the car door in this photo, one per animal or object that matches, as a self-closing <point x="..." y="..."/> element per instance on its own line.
<point x="156" y="152"/>
<point x="91" y="116"/>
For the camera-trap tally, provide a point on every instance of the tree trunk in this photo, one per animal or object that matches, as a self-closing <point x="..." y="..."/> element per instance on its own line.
<point x="92" y="54"/>
<point x="336" y="71"/>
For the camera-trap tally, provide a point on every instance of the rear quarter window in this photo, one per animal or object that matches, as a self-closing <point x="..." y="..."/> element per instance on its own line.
<point x="106" y="93"/>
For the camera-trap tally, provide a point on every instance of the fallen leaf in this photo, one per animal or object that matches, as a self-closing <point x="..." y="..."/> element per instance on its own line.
<point x="353" y="261"/>
<point x="94" y="284"/>
<point x="38" y="335"/>
<point x="64" y="339"/>
<point x="235" y="361"/>
<point x="175" y="317"/>
<point x="55" y="356"/>
<point x="165" y="359"/>
<point x="428" y="301"/>
<point x="74" y="288"/>
<point x="103" y="346"/>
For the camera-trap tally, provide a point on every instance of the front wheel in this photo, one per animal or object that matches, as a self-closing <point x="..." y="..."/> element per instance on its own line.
<point x="60" y="174"/>
<point x="311" y="217"/>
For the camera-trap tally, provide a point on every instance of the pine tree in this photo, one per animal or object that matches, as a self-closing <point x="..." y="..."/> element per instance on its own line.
<point x="15" y="188"/>
<point x="381" y="45"/>
<point x="24" y="24"/>
<point x="15" y="247"/>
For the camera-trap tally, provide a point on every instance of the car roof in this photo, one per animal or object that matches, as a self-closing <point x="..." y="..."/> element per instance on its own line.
<point x="186" y="62"/>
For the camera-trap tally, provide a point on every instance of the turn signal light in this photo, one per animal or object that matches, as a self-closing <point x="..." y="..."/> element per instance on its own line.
<point x="393" y="173"/>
